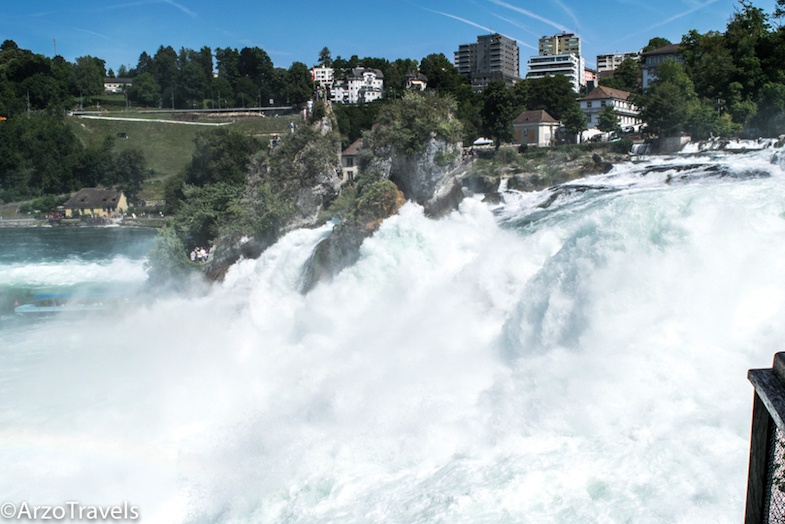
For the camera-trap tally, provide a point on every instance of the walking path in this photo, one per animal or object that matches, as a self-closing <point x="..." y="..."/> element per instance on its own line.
<point x="129" y="119"/>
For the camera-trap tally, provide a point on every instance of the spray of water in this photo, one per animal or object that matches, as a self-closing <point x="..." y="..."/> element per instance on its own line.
<point x="580" y="362"/>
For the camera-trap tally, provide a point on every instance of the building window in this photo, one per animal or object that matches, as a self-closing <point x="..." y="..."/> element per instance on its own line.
<point x="588" y="104"/>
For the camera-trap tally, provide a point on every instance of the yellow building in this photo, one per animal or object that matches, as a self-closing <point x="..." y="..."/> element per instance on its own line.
<point x="96" y="202"/>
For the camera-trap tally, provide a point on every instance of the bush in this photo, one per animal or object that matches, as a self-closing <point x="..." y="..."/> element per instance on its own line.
<point x="506" y="155"/>
<point x="167" y="259"/>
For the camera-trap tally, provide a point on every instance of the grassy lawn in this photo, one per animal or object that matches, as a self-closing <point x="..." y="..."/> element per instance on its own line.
<point x="167" y="146"/>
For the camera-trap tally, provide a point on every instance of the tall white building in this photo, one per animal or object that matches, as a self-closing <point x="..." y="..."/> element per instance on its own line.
<point x="569" y="65"/>
<point x="559" y="55"/>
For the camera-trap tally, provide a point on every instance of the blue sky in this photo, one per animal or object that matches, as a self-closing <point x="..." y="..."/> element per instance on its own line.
<point x="118" y="31"/>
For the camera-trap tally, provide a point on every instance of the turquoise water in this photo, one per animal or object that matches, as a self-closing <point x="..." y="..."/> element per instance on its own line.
<point x="70" y="260"/>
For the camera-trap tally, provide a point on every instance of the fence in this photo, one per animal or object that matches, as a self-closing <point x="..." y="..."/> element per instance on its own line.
<point x="766" y="481"/>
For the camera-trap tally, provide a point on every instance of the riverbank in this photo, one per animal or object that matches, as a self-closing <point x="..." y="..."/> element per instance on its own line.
<point x="153" y="223"/>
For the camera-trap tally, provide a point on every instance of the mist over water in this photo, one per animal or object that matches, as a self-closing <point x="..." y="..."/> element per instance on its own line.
<point x="580" y="361"/>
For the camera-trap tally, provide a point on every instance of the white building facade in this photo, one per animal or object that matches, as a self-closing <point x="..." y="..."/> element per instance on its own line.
<point x="323" y="76"/>
<point x="569" y="65"/>
<point x="362" y="85"/>
<point x="602" y="97"/>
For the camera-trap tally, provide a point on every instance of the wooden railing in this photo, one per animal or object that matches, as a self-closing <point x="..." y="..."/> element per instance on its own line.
<point x="766" y="480"/>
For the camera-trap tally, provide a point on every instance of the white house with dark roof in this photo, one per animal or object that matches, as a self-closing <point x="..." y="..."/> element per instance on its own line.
<point x="362" y="85"/>
<point x="602" y="97"/>
<point x="535" y="128"/>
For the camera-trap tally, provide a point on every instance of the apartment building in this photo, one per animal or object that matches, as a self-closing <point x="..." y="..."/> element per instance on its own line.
<point x="323" y="76"/>
<point x="561" y="44"/>
<point x="569" y="65"/>
<point x="493" y="57"/>
<point x="610" y="61"/>
<point x="559" y="55"/>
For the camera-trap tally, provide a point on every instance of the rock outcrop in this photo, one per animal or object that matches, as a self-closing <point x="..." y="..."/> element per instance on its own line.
<point x="286" y="189"/>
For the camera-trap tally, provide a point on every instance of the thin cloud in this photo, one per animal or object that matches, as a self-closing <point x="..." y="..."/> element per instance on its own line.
<point x="671" y="19"/>
<point x="524" y="12"/>
<point x="519" y="26"/>
<point x="475" y="24"/>
<point x="465" y="21"/>
<point x="99" y="35"/>
<point x="569" y="12"/>
<point x="181" y="8"/>
<point x="126" y="5"/>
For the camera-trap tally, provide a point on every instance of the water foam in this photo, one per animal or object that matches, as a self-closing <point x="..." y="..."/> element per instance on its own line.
<point x="585" y="366"/>
<point x="119" y="269"/>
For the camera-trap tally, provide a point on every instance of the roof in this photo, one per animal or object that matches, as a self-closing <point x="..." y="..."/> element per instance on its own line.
<point x="667" y="50"/>
<point x="353" y="149"/>
<point x="539" y="116"/>
<point x="359" y="71"/>
<point x="603" y="92"/>
<point x="94" y="198"/>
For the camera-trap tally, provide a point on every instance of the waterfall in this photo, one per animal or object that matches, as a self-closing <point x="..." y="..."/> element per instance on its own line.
<point x="572" y="355"/>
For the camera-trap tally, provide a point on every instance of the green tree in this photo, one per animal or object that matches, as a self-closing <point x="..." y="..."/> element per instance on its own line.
<point x="627" y="77"/>
<point x="298" y="86"/>
<point x="608" y="119"/>
<point x="667" y="102"/>
<point x="705" y="121"/>
<point x="325" y="58"/>
<point x="747" y="37"/>
<point x="221" y="156"/>
<point x="574" y="120"/>
<point x="353" y="119"/>
<point x="498" y="112"/>
<point x="771" y="109"/>
<point x="656" y="43"/>
<point x="220" y="90"/>
<point x="145" y="91"/>
<point x="408" y="124"/>
<point x="165" y="70"/>
<point x="227" y="63"/>
<point x="554" y="94"/>
<point x="192" y="85"/>
<point x="255" y="64"/>
<point x="441" y="73"/>
<point x="145" y="64"/>
<point x="129" y="172"/>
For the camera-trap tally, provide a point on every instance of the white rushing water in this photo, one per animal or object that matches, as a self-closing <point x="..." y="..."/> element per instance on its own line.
<point x="584" y="362"/>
